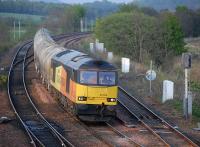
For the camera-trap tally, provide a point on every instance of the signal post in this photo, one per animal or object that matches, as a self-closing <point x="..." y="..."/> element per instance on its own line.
<point x="187" y="100"/>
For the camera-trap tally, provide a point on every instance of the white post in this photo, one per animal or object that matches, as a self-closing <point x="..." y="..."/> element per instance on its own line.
<point x="185" y="100"/>
<point x="110" y="56"/>
<point x="91" y="47"/>
<point x="125" y="65"/>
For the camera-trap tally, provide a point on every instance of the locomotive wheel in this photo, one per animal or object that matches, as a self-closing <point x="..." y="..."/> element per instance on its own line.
<point x="74" y="109"/>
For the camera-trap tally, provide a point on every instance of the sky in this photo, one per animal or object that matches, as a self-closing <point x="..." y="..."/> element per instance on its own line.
<point x="84" y="1"/>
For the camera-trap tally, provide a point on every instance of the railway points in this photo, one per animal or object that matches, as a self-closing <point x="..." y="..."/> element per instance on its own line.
<point x="151" y="123"/>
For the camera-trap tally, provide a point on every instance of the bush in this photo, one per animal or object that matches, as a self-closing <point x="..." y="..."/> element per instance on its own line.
<point x="3" y="81"/>
<point x="195" y="86"/>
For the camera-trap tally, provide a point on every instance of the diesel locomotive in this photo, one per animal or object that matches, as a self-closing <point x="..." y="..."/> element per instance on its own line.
<point x="87" y="86"/>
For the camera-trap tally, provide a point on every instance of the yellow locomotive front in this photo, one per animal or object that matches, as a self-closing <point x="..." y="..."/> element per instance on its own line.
<point x="96" y="90"/>
<point x="97" y="87"/>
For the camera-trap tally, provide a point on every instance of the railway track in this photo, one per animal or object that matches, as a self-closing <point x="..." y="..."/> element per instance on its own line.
<point x="163" y="131"/>
<point x="43" y="133"/>
<point x="166" y="133"/>
<point x="102" y="131"/>
<point x="38" y="129"/>
<point x="110" y="135"/>
<point x="105" y="132"/>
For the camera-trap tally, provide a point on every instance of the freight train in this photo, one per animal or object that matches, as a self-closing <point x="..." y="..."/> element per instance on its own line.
<point x="86" y="86"/>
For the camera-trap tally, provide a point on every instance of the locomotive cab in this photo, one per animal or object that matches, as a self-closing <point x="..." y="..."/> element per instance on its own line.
<point x="98" y="87"/>
<point x="97" y="83"/>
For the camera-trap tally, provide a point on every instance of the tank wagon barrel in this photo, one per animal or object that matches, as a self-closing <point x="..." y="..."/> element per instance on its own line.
<point x="87" y="86"/>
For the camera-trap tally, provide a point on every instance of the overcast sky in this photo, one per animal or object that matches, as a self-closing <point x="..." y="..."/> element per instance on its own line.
<point x="84" y="1"/>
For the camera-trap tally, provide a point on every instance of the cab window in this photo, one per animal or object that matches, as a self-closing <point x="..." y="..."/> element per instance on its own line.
<point x="107" y="78"/>
<point x="88" y="77"/>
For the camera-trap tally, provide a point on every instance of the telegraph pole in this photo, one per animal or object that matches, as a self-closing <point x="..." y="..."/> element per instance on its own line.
<point x="14" y="30"/>
<point x="81" y="24"/>
<point x="91" y="23"/>
<point x="85" y="24"/>
<point x="19" y="29"/>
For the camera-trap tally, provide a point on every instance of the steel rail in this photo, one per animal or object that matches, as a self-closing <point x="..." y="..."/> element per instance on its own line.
<point x="28" y="131"/>
<point x="73" y="40"/>
<point x="54" y="131"/>
<point x="161" y="119"/>
<point x="95" y="133"/>
<point x="144" y="124"/>
<point x="22" y="60"/>
<point x="123" y="135"/>
<point x="30" y="134"/>
<point x="62" y="139"/>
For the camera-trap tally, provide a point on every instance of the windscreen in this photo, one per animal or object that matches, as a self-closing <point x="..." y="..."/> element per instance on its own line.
<point x="88" y="77"/>
<point x="107" y="78"/>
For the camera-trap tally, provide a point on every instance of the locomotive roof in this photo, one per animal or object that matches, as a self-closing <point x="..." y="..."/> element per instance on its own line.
<point x="78" y="60"/>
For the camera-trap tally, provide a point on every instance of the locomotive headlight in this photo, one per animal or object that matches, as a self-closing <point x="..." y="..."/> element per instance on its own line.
<point x="111" y="99"/>
<point x="82" y="98"/>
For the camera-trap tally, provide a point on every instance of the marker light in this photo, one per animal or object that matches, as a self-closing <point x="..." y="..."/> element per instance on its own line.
<point x="111" y="99"/>
<point x="82" y="98"/>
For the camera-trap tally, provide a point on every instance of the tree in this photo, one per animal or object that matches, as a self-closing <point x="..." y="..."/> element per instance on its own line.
<point x="137" y="35"/>
<point x="127" y="33"/>
<point x="189" y="20"/>
<point x="71" y="17"/>
<point x="185" y="17"/>
<point x="66" y="19"/>
<point x="134" y="8"/>
<point x="4" y="35"/>
<point x="173" y="36"/>
<point x="129" y="8"/>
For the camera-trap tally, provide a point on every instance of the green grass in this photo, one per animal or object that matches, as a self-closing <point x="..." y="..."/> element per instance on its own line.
<point x="195" y="86"/>
<point x="3" y="81"/>
<point x="23" y="17"/>
<point x="28" y="25"/>
<point x="22" y="32"/>
<point x="196" y="110"/>
<point x="178" y="105"/>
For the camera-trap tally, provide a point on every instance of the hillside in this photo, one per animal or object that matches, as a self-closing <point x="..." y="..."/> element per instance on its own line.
<point x="168" y="4"/>
<point x="156" y="4"/>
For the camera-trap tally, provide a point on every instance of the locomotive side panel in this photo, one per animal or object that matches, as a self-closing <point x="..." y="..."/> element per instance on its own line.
<point x="63" y="82"/>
